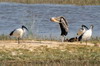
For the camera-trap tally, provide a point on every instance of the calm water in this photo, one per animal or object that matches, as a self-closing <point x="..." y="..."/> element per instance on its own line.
<point x="37" y="18"/>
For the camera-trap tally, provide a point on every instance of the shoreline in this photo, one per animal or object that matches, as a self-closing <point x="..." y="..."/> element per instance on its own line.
<point x="34" y="43"/>
<point x="31" y="50"/>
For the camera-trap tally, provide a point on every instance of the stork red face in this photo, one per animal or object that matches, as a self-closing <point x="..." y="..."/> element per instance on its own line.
<point x="55" y="19"/>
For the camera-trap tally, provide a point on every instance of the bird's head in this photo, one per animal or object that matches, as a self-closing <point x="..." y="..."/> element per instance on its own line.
<point x="84" y="26"/>
<point x="55" y="19"/>
<point x="24" y="27"/>
<point x="91" y="26"/>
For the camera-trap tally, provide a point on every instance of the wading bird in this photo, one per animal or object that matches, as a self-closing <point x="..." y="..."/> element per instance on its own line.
<point x="18" y="33"/>
<point x="86" y="35"/>
<point x="82" y="30"/>
<point x="63" y="25"/>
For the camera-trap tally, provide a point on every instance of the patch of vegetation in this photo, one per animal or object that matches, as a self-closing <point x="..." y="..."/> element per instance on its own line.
<point x="75" y="2"/>
<point x="44" y="53"/>
<point x="95" y="40"/>
<point x="4" y="37"/>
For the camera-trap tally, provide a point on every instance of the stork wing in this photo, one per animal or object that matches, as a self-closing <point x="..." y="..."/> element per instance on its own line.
<point x="64" y="24"/>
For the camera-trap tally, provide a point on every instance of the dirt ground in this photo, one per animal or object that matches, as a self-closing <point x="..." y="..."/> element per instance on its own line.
<point x="9" y="44"/>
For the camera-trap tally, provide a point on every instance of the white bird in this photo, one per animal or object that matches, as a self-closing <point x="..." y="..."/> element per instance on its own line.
<point x="86" y="35"/>
<point x="82" y="30"/>
<point x="63" y="25"/>
<point x="18" y="33"/>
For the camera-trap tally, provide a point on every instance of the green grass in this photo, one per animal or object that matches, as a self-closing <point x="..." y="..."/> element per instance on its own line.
<point x="94" y="40"/>
<point x="4" y="37"/>
<point x="75" y="2"/>
<point x="44" y="53"/>
<point x="30" y="36"/>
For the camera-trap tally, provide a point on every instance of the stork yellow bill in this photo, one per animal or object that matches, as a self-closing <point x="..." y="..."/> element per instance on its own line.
<point x="54" y="19"/>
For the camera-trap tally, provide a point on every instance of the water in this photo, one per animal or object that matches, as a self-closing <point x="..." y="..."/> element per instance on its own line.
<point x="37" y="18"/>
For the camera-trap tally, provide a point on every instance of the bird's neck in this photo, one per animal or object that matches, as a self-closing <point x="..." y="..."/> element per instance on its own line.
<point x="91" y="28"/>
<point x="23" y="29"/>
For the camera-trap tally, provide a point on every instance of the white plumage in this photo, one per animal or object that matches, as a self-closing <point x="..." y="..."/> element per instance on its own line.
<point x="18" y="33"/>
<point x="86" y="35"/>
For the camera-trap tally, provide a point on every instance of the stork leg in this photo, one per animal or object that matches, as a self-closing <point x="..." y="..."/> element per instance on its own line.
<point x="62" y="38"/>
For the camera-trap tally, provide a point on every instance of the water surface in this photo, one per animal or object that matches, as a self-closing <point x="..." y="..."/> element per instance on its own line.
<point x="37" y="18"/>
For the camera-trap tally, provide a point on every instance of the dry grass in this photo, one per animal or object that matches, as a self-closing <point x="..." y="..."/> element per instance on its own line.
<point x="45" y="53"/>
<point x="47" y="50"/>
<point x="76" y="2"/>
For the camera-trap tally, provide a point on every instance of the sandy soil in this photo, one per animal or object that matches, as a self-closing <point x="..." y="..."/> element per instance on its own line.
<point x="9" y="44"/>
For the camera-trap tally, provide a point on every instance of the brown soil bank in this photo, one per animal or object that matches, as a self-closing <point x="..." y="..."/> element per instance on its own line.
<point x="33" y="43"/>
<point x="30" y="45"/>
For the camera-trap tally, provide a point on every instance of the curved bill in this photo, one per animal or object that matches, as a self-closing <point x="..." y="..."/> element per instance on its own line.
<point x="24" y="27"/>
<point x="85" y="26"/>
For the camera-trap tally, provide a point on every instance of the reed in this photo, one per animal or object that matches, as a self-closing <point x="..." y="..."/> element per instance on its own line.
<point x="76" y="2"/>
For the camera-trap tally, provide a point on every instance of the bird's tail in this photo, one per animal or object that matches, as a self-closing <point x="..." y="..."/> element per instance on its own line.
<point x="11" y="33"/>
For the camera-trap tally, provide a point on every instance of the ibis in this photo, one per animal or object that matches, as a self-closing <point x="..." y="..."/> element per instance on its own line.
<point x="19" y="32"/>
<point x="86" y="35"/>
